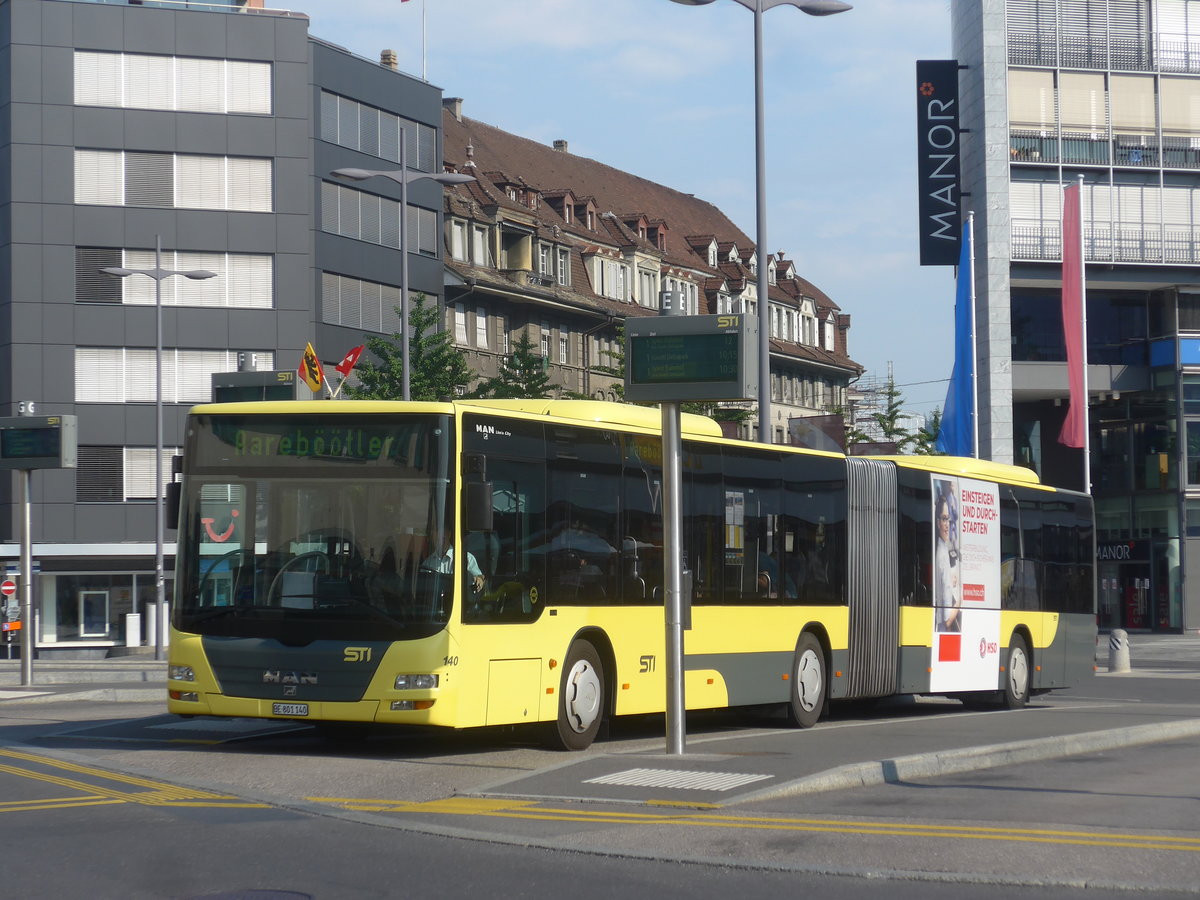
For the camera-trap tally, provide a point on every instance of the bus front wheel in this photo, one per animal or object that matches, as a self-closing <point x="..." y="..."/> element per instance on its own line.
<point x="580" y="699"/>
<point x="1016" y="675"/>
<point x="808" y="683"/>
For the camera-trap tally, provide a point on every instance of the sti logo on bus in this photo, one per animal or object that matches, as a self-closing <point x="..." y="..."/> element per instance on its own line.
<point x="357" y="654"/>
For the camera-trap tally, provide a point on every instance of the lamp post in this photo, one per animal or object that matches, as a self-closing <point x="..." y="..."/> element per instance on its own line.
<point x="158" y="273"/>
<point x="758" y="7"/>
<point x="403" y="177"/>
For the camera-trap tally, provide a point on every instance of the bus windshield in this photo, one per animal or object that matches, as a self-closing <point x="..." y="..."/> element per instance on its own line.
<point x="313" y="527"/>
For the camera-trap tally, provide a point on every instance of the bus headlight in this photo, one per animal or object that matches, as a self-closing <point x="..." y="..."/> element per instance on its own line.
<point x="416" y="682"/>
<point x="180" y="673"/>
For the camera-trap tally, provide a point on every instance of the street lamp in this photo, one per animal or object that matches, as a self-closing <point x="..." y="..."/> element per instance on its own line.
<point x="158" y="273"/>
<point x="758" y="7"/>
<point x="403" y="177"/>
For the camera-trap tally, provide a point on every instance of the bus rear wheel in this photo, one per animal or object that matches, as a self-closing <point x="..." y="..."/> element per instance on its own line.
<point x="808" y="683"/>
<point x="580" y="699"/>
<point x="1016" y="674"/>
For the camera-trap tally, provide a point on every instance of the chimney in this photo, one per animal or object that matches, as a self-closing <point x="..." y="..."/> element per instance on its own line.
<point x="389" y="59"/>
<point x="454" y="104"/>
<point x="560" y="145"/>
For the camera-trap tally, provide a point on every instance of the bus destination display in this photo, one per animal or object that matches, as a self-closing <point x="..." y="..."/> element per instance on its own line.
<point x="37" y="442"/>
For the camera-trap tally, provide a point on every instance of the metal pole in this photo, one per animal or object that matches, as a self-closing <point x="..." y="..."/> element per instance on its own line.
<point x="405" y="378"/>
<point x="27" y="624"/>
<point x="159" y="582"/>
<point x="1087" y="418"/>
<point x="672" y="568"/>
<point x="760" y="160"/>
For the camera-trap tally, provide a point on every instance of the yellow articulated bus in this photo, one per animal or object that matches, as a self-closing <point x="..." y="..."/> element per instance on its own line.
<point x="501" y="562"/>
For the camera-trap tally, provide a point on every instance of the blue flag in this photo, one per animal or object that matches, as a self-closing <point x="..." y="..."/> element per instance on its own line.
<point x="957" y="433"/>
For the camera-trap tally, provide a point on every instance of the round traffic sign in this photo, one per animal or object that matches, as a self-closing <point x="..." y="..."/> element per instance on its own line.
<point x="8" y="588"/>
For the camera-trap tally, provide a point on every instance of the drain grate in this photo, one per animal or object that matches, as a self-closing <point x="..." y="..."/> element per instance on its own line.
<point x="679" y="780"/>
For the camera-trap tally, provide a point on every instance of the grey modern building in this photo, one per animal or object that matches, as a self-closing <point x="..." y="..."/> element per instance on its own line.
<point x="213" y="128"/>
<point x="1106" y="90"/>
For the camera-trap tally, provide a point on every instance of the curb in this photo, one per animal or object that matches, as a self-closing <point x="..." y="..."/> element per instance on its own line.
<point x="153" y="694"/>
<point x="970" y="759"/>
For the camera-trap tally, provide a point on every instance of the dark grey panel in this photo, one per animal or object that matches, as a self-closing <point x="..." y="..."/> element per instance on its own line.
<point x="26" y="123"/>
<point x="58" y="279"/>
<point x="143" y="226"/>
<point x="750" y="678"/>
<point x="291" y="40"/>
<point x="151" y="130"/>
<point x="293" y="99"/>
<point x="99" y="128"/>
<point x="58" y="224"/>
<point x="203" y="229"/>
<point x="154" y="31"/>
<point x="58" y="175"/>
<point x="100" y="226"/>
<point x="252" y="231"/>
<point x="103" y="326"/>
<point x="839" y="661"/>
<point x="58" y="75"/>
<point x="99" y="28"/>
<point x="292" y="181"/>
<point x="913" y="670"/>
<point x="292" y="234"/>
<point x="58" y="125"/>
<point x="202" y="133"/>
<point x="27" y="187"/>
<point x="292" y="140"/>
<point x="251" y="136"/>
<point x="252" y="39"/>
<point x="202" y="35"/>
<point x="101" y="423"/>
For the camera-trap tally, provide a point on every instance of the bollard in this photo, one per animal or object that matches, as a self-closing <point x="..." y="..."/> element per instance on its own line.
<point x="1118" y="651"/>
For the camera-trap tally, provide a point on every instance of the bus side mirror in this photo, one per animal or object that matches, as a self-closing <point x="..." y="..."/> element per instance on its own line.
<point x="479" y="506"/>
<point x="172" y="501"/>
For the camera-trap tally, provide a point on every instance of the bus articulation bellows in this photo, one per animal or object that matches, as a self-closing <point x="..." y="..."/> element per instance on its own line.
<point x="500" y="562"/>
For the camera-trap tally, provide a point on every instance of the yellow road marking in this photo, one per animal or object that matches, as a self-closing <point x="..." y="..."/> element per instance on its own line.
<point x="155" y="793"/>
<point x="528" y="809"/>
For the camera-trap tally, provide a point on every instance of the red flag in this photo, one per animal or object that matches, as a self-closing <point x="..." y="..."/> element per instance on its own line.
<point x="346" y="366"/>
<point x="1074" y="429"/>
<point x="310" y="370"/>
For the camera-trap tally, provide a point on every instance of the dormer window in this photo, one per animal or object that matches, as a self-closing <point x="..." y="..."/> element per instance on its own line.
<point x="771" y="272"/>
<point x="712" y="255"/>
<point x="591" y="220"/>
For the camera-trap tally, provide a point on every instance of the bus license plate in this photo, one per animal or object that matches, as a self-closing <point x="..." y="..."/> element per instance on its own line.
<point x="289" y="709"/>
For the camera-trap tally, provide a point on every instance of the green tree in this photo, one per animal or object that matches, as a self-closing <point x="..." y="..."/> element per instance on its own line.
<point x="925" y="440"/>
<point x="436" y="370"/>
<point x="889" y="419"/>
<point x="522" y="375"/>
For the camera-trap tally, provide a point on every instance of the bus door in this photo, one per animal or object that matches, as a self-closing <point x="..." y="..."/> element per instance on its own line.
<point x="872" y="576"/>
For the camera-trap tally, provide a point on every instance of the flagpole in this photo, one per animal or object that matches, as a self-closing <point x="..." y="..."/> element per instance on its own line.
<point x="1087" y="427"/>
<point x="974" y="372"/>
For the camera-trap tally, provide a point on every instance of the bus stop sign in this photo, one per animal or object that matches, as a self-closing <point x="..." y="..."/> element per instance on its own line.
<point x="681" y="358"/>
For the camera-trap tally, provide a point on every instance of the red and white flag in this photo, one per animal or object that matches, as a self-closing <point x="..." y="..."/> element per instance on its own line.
<point x="346" y="366"/>
<point x="1074" y="429"/>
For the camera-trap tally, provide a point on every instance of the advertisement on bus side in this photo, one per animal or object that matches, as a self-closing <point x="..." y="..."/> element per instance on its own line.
<point x="966" y="585"/>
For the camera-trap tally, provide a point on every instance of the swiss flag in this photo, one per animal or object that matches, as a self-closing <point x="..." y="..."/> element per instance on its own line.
<point x="346" y="366"/>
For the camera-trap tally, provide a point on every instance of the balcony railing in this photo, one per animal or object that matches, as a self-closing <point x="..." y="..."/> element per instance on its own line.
<point x="1123" y="244"/>
<point x="1170" y="54"/>
<point x="199" y="6"/>
<point x="1084" y="149"/>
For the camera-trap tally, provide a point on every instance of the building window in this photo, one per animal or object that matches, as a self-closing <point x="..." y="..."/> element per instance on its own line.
<point x="564" y="266"/>
<point x="545" y="267"/>
<point x="479" y="253"/>
<point x="545" y="342"/>
<point x="369" y="217"/>
<point x="119" y="474"/>
<point x="178" y="83"/>
<point x="460" y="323"/>
<point x="127" y="374"/>
<point x="481" y="327"/>
<point x="244" y="280"/>
<point x="173" y="180"/>
<point x="564" y="345"/>
<point x="458" y="240"/>
<point x="355" y="303"/>
<point x="376" y="132"/>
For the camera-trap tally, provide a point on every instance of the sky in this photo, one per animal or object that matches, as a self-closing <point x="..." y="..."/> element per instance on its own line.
<point x="666" y="91"/>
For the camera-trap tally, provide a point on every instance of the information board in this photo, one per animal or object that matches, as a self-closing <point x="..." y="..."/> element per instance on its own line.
<point x="38" y="442"/>
<point x="677" y="358"/>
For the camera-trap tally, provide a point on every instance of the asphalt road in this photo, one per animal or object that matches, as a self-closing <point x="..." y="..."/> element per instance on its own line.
<point x="101" y="799"/>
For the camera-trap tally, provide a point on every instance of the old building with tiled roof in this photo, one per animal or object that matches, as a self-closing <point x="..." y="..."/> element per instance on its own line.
<point x="565" y="248"/>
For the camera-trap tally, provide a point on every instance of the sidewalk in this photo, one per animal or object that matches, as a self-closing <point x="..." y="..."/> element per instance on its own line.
<point x="128" y="679"/>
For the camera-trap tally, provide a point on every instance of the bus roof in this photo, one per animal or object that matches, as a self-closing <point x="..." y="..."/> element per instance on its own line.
<point x="968" y="467"/>
<point x="595" y="411"/>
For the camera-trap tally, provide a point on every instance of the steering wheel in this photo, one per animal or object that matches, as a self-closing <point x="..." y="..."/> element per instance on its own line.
<point x="216" y="563"/>
<point x="324" y="565"/>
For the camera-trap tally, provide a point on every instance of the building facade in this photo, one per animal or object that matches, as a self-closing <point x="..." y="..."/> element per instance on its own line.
<point x="1107" y="91"/>
<point x="213" y="129"/>
<point x="563" y="248"/>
